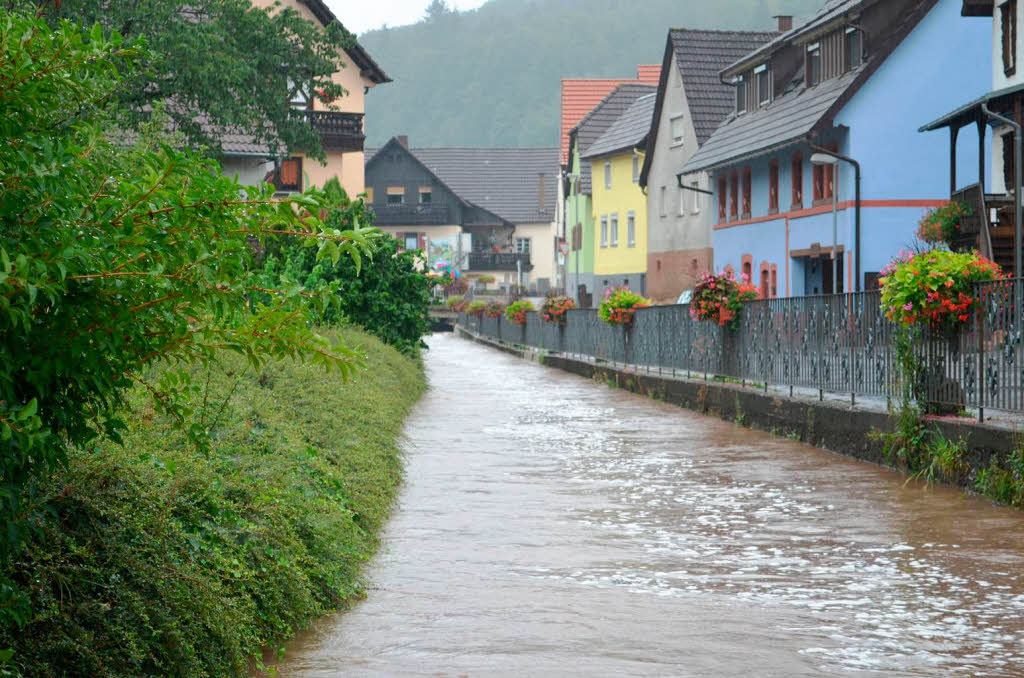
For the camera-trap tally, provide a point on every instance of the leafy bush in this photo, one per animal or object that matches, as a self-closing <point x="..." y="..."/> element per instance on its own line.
<point x="158" y="559"/>
<point x="484" y="278"/>
<point x="555" y="308"/>
<point x="517" y="310"/>
<point x="720" y="297"/>
<point x="457" y="304"/>
<point x="619" y="305"/>
<point x="476" y="308"/>
<point x="387" y="293"/>
<point x="942" y="224"/>
<point x="934" y="287"/>
<point x="495" y="309"/>
<point x="113" y="259"/>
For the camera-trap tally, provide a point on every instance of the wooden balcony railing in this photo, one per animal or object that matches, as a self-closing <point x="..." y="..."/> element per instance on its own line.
<point x="498" y="261"/>
<point x="434" y="214"/>
<point x="339" y="131"/>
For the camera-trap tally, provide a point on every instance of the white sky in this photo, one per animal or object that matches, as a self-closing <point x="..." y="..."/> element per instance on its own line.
<point x="360" y="16"/>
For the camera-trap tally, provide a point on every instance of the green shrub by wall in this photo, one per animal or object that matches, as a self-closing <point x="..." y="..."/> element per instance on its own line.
<point x="153" y="559"/>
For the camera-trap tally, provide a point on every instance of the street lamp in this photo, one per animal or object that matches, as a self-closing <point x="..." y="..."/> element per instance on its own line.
<point x="827" y="157"/>
<point x="826" y="160"/>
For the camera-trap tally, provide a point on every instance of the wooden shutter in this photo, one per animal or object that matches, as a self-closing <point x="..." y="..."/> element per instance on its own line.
<point x="290" y="175"/>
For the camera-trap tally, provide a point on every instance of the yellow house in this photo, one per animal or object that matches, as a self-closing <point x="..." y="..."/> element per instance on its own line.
<point x="619" y="204"/>
<point x="341" y="125"/>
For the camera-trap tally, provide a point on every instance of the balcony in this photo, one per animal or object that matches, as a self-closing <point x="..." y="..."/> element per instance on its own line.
<point x="434" y="214"/>
<point x="338" y="131"/>
<point x="499" y="261"/>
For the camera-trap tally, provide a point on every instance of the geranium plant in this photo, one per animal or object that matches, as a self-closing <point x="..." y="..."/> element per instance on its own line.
<point x="495" y="309"/>
<point x="517" y="310"/>
<point x="555" y="308"/>
<point x="934" y="287"/>
<point x="619" y="306"/>
<point x="457" y="304"/>
<point x="476" y="308"/>
<point x="719" y="297"/>
<point x="942" y="224"/>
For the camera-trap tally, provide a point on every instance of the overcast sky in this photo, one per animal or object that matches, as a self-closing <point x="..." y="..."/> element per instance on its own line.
<point x="360" y="16"/>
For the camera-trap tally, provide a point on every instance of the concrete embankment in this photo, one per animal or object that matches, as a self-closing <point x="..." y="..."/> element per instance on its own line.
<point x="829" y="424"/>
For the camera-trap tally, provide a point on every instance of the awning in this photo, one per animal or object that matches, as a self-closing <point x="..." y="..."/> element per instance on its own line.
<point x="969" y="114"/>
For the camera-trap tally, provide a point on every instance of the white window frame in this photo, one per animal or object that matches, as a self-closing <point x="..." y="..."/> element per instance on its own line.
<point x="411" y="236"/>
<point x="614" y="228"/>
<point x="763" y="69"/>
<point x="608" y="174"/>
<point x="679" y="119"/>
<point x="636" y="168"/>
<point x="695" y="185"/>
<point x="812" y="49"/>
<point x="604" y="230"/>
<point x="741" y="94"/>
<point x="521" y="249"/>
<point x="631" y="229"/>
<point x="663" y="201"/>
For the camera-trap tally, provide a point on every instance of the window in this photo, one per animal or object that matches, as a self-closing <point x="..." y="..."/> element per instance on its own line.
<point x="813" y="75"/>
<point x="636" y="169"/>
<point x="746" y="192"/>
<point x="607" y="173"/>
<point x="824" y="180"/>
<point x="678" y="133"/>
<point x="289" y="175"/>
<point x="741" y="93"/>
<point x="426" y="195"/>
<point x="695" y="185"/>
<point x="369" y="195"/>
<point x="1009" y="160"/>
<point x="797" y="171"/>
<point x="854" y="48"/>
<point x="722" y="198"/>
<point x="300" y="98"/>
<point x="396" y="195"/>
<point x="1008" y="22"/>
<point x="412" y="241"/>
<point x="734" y="195"/>
<point x="818" y="172"/>
<point x="604" y="231"/>
<point x="631" y="230"/>
<point x="523" y="245"/>
<point x="682" y="200"/>
<point x="773" y="187"/>
<point x="764" y="84"/>
<point x="615" y="230"/>
<point x="663" y="201"/>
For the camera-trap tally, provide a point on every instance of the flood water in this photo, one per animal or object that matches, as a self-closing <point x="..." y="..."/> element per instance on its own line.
<point x="552" y="526"/>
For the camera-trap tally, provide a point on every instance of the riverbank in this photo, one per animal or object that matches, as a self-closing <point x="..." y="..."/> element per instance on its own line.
<point x="986" y="462"/>
<point x="155" y="559"/>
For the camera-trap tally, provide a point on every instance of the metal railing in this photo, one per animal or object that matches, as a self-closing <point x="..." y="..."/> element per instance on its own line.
<point x="839" y="344"/>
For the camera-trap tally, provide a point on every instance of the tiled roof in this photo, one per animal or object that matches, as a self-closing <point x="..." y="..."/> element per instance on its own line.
<point x="600" y="118"/>
<point x="786" y="120"/>
<point x="580" y="95"/>
<point x="701" y="56"/>
<point x="504" y="181"/>
<point x="368" y="68"/>
<point x="628" y="131"/>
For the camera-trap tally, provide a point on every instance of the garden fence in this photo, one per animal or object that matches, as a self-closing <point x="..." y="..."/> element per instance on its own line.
<point x="839" y="344"/>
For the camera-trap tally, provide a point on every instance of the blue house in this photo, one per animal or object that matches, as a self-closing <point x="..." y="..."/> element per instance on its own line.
<point x="853" y="82"/>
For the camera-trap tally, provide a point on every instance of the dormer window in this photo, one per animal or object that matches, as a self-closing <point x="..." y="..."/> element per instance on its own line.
<point x="741" y="93"/>
<point x="854" y="48"/>
<point x="1008" y="23"/>
<point x="763" y="75"/>
<point x="813" y="76"/>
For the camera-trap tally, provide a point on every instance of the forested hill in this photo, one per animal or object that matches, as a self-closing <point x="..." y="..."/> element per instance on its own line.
<point x="491" y="76"/>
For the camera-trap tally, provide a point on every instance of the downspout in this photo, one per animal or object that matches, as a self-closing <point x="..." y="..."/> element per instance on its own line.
<point x="1018" y="150"/>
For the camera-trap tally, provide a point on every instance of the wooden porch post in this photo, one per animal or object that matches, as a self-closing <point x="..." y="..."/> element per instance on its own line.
<point x="953" y="133"/>
<point x="981" y="155"/>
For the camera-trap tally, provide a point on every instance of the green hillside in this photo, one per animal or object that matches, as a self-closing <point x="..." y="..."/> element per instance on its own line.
<point x="490" y="77"/>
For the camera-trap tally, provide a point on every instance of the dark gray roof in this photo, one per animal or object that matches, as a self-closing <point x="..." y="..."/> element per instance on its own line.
<point x="597" y="121"/>
<point x="503" y="181"/>
<point x="701" y="56"/>
<point x="829" y="12"/>
<point x="628" y="131"/>
<point x="784" y="121"/>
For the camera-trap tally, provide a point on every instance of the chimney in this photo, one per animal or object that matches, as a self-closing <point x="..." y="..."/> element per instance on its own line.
<point x="404" y="140"/>
<point x="785" y="22"/>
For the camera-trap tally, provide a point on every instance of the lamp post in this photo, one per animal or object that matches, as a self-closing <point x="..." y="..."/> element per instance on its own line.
<point x="824" y="156"/>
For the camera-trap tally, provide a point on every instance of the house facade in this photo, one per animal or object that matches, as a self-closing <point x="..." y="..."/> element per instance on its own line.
<point x="485" y="211"/>
<point x="342" y="124"/>
<point x="579" y="210"/>
<point x="691" y="103"/>
<point x="619" y="204"/>
<point x="854" y="81"/>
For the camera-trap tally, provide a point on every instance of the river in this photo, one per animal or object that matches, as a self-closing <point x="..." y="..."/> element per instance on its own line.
<point x="552" y="526"/>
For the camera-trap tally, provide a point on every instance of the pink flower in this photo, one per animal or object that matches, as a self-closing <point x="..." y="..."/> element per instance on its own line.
<point x="908" y="306"/>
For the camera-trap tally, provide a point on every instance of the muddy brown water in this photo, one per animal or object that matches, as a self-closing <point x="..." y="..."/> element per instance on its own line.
<point x="552" y="526"/>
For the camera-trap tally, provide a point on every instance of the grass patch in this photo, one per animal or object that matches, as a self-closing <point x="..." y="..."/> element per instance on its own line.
<point x="153" y="559"/>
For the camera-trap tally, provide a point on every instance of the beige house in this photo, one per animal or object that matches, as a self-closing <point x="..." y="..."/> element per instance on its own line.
<point x="341" y="124"/>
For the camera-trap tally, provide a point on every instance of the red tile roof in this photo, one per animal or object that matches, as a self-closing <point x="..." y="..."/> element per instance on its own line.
<point x="580" y="95"/>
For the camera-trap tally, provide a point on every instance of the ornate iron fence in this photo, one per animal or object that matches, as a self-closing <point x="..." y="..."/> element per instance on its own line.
<point x="839" y="344"/>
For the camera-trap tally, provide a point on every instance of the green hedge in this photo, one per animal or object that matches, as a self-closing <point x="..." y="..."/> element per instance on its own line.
<point x="153" y="559"/>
